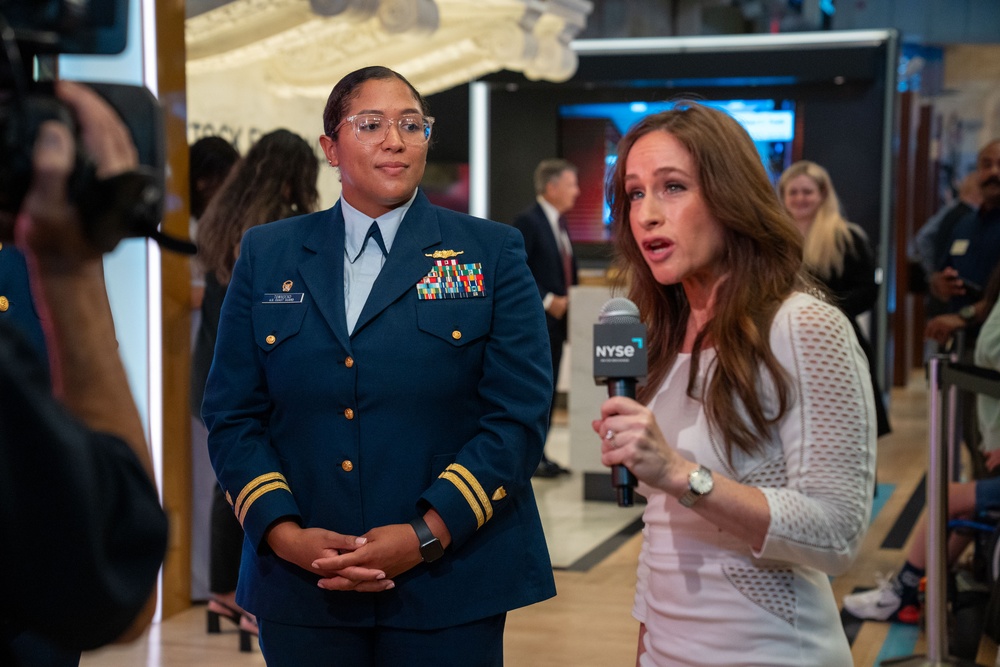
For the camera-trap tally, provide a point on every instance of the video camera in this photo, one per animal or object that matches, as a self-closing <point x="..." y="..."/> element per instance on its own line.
<point x="33" y="33"/>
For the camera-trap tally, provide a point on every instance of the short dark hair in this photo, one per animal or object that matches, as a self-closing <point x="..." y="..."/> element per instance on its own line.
<point x="211" y="159"/>
<point x="347" y="88"/>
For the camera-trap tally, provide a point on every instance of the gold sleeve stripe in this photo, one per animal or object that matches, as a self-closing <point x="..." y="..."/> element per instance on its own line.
<point x="273" y="486"/>
<point x="254" y="483"/>
<point x="469" y="498"/>
<point x="476" y="487"/>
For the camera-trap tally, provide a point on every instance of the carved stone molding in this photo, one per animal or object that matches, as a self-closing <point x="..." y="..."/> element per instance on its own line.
<point x="302" y="46"/>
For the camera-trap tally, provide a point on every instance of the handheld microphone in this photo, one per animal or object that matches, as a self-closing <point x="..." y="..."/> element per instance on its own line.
<point x="620" y="363"/>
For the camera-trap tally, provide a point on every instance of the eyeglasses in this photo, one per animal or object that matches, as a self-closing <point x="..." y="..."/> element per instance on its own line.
<point x="373" y="128"/>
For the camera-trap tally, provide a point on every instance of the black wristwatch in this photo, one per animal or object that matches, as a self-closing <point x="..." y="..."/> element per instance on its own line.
<point x="430" y="546"/>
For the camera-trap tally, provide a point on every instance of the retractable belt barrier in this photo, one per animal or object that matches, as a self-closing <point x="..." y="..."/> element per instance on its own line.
<point x="947" y="378"/>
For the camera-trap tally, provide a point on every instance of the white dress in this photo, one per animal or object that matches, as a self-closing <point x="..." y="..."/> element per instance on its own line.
<point x="704" y="596"/>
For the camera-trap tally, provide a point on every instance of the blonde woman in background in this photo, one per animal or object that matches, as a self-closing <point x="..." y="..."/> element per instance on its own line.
<point x="836" y="252"/>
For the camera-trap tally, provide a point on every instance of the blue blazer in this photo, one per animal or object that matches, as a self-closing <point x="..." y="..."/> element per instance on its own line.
<point x="17" y="307"/>
<point x="429" y="403"/>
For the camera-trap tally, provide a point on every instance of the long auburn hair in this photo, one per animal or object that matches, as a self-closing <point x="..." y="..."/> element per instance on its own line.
<point x="829" y="238"/>
<point x="762" y="260"/>
<point x="275" y="180"/>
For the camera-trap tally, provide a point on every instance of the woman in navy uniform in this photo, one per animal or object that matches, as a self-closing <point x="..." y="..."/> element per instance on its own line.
<point x="17" y="307"/>
<point x="389" y="381"/>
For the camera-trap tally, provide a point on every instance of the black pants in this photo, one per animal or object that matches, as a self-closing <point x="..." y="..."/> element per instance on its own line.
<point x="476" y="644"/>
<point x="225" y="547"/>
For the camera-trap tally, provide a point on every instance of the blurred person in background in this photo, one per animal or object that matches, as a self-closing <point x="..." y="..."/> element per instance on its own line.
<point x="552" y="264"/>
<point x="836" y="253"/>
<point x="275" y="180"/>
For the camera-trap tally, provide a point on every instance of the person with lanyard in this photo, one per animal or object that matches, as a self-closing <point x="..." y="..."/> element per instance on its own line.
<point x="376" y="407"/>
<point x="973" y="251"/>
<point x="961" y="282"/>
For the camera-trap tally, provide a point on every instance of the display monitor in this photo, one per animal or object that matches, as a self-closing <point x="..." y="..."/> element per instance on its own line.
<point x="589" y="135"/>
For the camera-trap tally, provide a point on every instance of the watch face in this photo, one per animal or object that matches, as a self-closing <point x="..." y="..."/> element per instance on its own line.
<point x="431" y="551"/>
<point x="701" y="481"/>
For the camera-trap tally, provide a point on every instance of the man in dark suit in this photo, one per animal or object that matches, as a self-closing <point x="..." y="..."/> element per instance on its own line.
<point x="380" y="371"/>
<point x="552" y="263"/>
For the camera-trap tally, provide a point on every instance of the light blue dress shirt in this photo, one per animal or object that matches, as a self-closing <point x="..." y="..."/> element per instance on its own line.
<point x="361" y="269"/>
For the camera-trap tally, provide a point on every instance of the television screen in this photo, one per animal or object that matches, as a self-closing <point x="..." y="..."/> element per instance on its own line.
<point x="589" y="135"/>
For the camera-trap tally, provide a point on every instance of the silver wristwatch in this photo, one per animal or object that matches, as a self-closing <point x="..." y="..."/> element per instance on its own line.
<point x="700" y="484"/>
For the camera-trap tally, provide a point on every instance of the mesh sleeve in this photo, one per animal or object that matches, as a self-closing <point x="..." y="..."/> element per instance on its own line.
<point x="820" y="515"/>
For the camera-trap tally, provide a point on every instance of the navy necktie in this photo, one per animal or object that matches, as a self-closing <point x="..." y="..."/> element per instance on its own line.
<point x="375" y="233"/>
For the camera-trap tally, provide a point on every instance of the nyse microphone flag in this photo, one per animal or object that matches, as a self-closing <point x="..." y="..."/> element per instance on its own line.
<point x="620" y="363"/>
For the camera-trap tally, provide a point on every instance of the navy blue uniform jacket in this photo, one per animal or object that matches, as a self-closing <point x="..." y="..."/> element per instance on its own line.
<point x="17" y="307"/>
<point x="430" y="402"/>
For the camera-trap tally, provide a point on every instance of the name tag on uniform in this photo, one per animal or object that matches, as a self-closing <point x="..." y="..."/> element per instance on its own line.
<point x="280" y="297"/>
<point x="959" y="247"/>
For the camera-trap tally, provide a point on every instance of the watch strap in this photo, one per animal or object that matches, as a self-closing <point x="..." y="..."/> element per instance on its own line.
<point x="689" y="498"/>
<point x="430" y="546"/>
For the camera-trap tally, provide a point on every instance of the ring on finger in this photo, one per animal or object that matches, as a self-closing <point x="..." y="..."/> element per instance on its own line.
<point x="609" y="436"/>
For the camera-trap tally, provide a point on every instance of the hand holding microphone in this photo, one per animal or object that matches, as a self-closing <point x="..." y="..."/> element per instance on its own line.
<point x="620" y="363"/>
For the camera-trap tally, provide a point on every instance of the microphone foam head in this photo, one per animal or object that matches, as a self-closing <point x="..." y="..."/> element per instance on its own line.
<point x="619" y="310"/>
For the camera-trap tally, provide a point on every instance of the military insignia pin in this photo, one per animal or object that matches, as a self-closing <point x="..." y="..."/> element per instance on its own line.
<point x="444" y="254"/>
<point x="286" y="286"/>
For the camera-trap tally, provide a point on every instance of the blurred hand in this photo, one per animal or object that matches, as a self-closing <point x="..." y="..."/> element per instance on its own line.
<point x="945" y="284"/>
<point x="48" y="226"/>
<point x="559" y="306"/>
<point x="942" y="327"/>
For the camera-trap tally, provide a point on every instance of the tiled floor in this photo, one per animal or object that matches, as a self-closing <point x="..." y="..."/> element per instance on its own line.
<point x="573" y="526"/>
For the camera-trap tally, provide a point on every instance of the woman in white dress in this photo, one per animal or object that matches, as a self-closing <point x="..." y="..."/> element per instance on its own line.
<point x="754" y="436"/>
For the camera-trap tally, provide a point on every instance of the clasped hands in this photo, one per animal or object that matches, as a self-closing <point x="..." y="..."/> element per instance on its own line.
<point x="344" y="562"/>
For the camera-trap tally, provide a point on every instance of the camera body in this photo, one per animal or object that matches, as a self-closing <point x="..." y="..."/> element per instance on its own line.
<point x="128" y="205"/>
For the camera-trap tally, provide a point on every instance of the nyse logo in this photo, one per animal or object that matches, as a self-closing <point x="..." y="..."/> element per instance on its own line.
<point x="618" y="351"/>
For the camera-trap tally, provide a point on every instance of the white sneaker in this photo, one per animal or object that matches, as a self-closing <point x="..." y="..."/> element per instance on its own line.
<point x="878" y="604"/>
